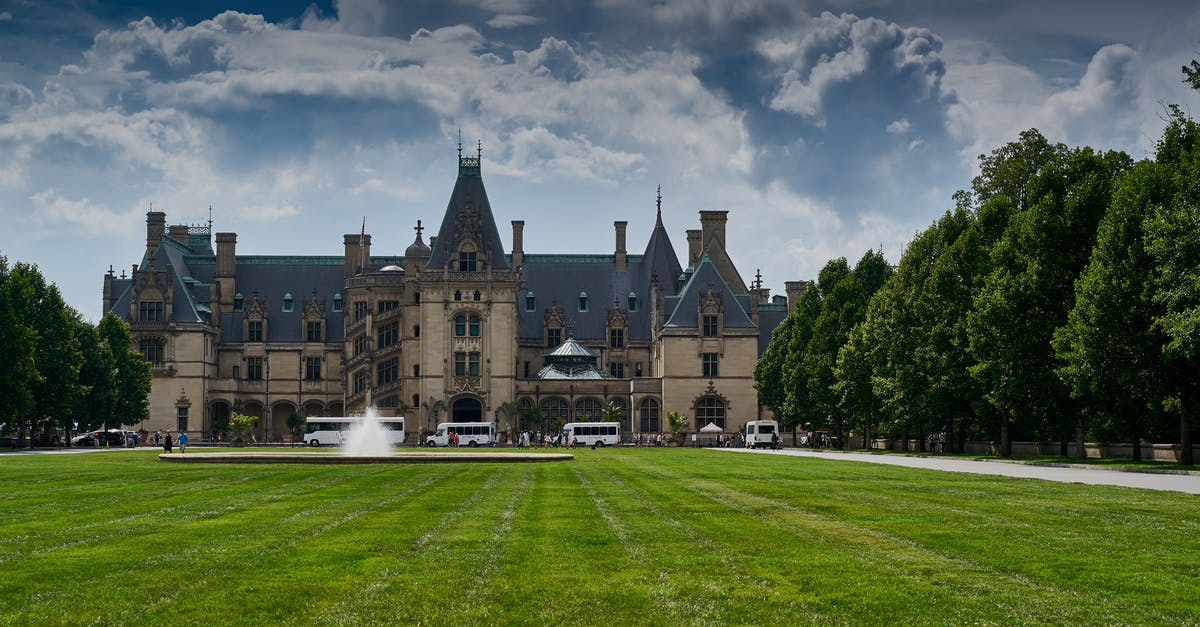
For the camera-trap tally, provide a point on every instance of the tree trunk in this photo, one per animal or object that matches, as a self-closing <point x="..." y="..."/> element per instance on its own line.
<point x="1136" y="448"/>
<point x="1185" y="430"/>
<point x="1080" y="453"/>
<point x="904" y="436"/>
<point x="867" y="434"/>
<point x="1005" y="437"/>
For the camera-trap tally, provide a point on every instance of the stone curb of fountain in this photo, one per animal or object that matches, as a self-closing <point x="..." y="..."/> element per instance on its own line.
<point x="337" y="458"/>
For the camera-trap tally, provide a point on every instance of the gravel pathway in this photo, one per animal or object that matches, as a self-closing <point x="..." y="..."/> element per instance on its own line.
<point x="1174" y="481"/>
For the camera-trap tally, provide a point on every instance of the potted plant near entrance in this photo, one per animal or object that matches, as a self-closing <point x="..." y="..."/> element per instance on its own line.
<point x="678" y="423"/>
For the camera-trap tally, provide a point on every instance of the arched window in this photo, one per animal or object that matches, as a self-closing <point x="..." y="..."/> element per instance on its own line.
<point x="710" y="409"/>
<point x="530" y="301"/>
<point x="524" y="406"/>
<point x="337" y="301"/>
<point x="556" y="411"/>
<point x="238" y="301"/>
<point x="457" y="294"/>
<point x="648" y="416"/>
<point x="288" y="304"/>
<point x="583" y="301"/>
<point x="476" y="295"/>
<point x="588" y="410"/>
<point x="473" y="326"/>
<point x="633" y="301"/>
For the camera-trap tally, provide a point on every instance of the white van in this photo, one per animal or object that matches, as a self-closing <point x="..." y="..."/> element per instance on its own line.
<point x="470" y="434"/>
<point x="762" y="433"/>
<point x="593" y="433"/>
<point x="333" y="431"/>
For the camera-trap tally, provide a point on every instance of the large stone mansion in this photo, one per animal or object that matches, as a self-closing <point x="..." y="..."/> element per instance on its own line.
<point x="457" y="329"/>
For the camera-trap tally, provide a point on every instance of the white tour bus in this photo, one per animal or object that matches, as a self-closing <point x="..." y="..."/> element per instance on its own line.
<point x="469" y="434"/>
<point x="762" y="433"/>
<point x="593" y="433"/>
<point x="332" y="430"/>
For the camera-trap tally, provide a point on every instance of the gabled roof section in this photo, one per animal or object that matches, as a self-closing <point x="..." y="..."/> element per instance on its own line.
<point x="705" y="280"/>
<point x="660" y="259"/>
<point x="468" y="218"/>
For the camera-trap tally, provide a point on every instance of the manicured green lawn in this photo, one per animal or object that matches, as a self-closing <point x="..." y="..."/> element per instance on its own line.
<point x="646" y="536"/>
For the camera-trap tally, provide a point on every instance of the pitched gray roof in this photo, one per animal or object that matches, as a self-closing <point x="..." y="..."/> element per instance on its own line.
<point x="686" y="307"/>
<point x="468" y="214"/>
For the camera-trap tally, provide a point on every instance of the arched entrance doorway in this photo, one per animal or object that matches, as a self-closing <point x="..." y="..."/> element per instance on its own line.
<point x="466" y="409"/>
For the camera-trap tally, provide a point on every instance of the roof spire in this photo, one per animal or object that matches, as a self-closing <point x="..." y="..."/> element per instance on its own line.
<point x="460" y="143"/>
<point x="479" y="149"/>
<point x="659" y="203"/>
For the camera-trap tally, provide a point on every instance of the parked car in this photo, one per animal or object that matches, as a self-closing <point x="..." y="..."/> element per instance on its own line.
<point x="112" y="437"/>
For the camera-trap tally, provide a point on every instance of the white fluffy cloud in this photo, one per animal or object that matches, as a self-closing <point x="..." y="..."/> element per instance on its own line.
<point x="835" y="49"/>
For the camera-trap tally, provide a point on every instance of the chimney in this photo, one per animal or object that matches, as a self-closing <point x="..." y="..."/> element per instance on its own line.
<point x="712" y="225"/>
<point x="156" y="222"/>
<point x="226" y="247"/>
<point x="358" y="253"/>
<point x="108" y="295"/>
<point x="795" y="289"/>
<point x="179" y="233"/>
<point x="518" y="249"/>
<point x="620" y="254"/>
<point x="695" y="248"/>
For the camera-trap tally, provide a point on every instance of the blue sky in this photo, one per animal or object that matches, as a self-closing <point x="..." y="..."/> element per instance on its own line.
<point x="824" y="128"/>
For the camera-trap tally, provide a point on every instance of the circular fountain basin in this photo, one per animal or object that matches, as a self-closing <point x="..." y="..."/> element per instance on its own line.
<point x="416" y="457"/>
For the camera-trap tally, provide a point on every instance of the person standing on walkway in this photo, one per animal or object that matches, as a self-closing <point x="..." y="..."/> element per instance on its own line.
<point x="183" y="441"/>
<point x="167" y="442"/>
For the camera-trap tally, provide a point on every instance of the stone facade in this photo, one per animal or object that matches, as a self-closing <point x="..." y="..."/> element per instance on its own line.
<point x="455" y="330"/>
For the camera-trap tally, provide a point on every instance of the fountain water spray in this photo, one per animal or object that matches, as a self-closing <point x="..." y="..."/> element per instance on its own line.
<point x="367" y="438"/>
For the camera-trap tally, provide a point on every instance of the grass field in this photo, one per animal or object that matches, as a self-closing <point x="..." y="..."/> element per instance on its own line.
<point x="617" y="536"/>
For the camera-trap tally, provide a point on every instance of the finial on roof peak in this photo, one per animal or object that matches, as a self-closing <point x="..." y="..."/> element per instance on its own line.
<point x="460" y="143"/>
<point x="479" y="149"/>
<point x="659" y="205"/>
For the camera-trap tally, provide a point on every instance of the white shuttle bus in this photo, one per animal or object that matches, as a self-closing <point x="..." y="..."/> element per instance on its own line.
<point x="333" y="430"/>
<point x="593" y="433"/>
<point x="762" y="433"/>
<point x="470" y="434"/>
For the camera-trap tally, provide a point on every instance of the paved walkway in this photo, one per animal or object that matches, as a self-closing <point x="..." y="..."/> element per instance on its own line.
<point x="1150" y="480"/>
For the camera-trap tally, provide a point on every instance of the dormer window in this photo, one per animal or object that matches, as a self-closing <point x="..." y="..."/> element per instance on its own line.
<point x="238" y="301"/>
<point x="467" y="261"/>
<point x="337" y="301"/>
<point x="583" y="301"/>
<point x="633" y="301"/>
<point x="530" y="301"/>
<point x="288" y="304"/>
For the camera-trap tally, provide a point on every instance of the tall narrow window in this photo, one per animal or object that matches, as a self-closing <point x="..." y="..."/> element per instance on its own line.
<point x="710" y="325"/>
<point x="314" y="331"/>
<point x="181" y="422"/>
<point x="238" y="301"/>
<point x="312" y="368"/>
<point x="254" y="368"/>
<point x="633" y="302"/>
<point x="388" y="334"/>
<point x="460" y="364"/>
<point x="254" y="331"/>
<point x="473" y="364"/>
<point x="553" y="337"/>
<point x="583" y="301"/>
<point x="616" y="370"/>
<point x="289" y="305"/>
<point x="466" y="261"/>
<point x="337" y="302"/>
<point x="530" y="301"/>
<point x="616" y="338"/>
<point x="460" y="325"/>
<point x="388" y="372"/>
<point x="473" y="324"/>
<point x="710" y="365"/>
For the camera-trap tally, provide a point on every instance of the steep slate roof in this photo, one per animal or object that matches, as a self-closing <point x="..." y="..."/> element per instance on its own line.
<point x="468" y="214"/>
<point x="271" y="278"/>
<point x="769" y="317"/>
<point x="685" y="309"/>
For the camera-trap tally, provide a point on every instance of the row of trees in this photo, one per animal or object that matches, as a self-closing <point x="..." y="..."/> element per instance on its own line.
<point x="59" y="369"/>
<point x="1059" y="300"/>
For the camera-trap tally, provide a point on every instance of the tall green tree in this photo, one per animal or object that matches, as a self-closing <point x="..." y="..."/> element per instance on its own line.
<point x="1110" y="348"/>
<point x="768" y="372"/>
<point x="57" y="354"/>
<point x="97" y="377"/>
<point x="19" y="376"/>
<point x="1031" y="286"/>
<point x="134" y="378"/>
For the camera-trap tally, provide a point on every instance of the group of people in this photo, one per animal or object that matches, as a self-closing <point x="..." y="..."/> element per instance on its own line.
<point x="651" y="439"/>
<point x="168" y="440"/>
<point x="535" y="439"/>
